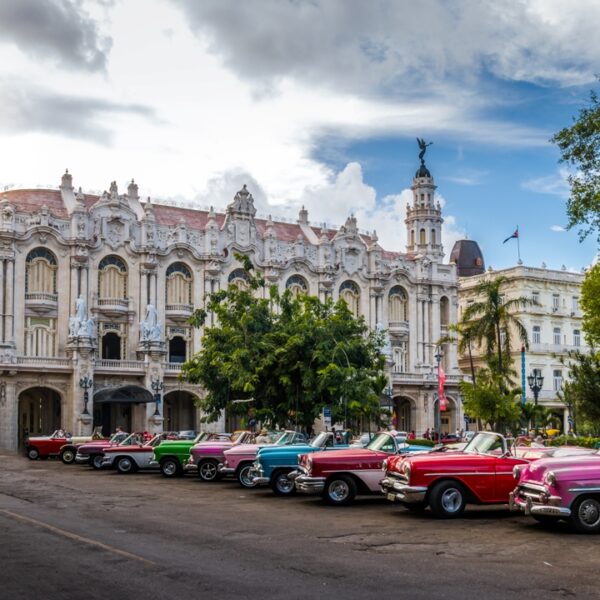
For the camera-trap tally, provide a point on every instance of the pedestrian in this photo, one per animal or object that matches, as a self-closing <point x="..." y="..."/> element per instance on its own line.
<point x="411" y="435"/>
<point x="426" y="435"/>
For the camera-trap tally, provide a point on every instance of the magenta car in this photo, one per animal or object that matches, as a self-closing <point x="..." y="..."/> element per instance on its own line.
<point x="205" y="457"/>
<point x="238" y="460"/>
<point x="555" y="488"/>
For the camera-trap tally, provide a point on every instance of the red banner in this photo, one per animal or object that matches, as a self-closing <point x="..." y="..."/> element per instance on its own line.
<point x="441" y="385"/>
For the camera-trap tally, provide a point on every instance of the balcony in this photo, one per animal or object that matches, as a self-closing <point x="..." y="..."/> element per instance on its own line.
<point x="179" y="312"/>
<point x="45" y="363"/>
<point x="120" y="366"/>
<point x="398" y="326"/>
<point x="172" y="369"/>
<point x="41" y="302"/>
<point x="113" y="307"/>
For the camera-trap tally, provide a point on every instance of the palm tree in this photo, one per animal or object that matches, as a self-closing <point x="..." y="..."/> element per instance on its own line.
<point x="491" y="317"/>
<point x="462" y="329"/>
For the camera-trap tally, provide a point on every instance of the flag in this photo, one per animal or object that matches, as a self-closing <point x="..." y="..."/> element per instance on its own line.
<point x="441" y="391"/>
<point x="514" y="235"/>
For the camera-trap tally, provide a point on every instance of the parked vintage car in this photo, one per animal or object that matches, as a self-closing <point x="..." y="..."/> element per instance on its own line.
<point x="171" y="455"/>
<point x="447" y="481"/>
<point x="50" y="445"/>
<point x="206" y="456"/>
<point x="238" y="460"/>
<point x="92" y="453"/>
<point x="134" y="453"/>
<point x="68" y="451"/>
<point x="273" y="464"/>
<point x="561" y="487"/>
<point x="341" y="475"/>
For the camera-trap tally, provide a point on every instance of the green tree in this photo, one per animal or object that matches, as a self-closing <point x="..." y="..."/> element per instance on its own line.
<point x="581" y="392"/>
<point x="290" y="355"/>
<point x="489" y="322"/>
<point x="580" y="147"/>
<point x="490" y="401"/>
<point x="464" y="331"/>
<point x="590" y="305"/>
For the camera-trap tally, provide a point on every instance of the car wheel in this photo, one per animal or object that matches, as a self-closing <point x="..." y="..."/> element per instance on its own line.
<point x="208" y="470"/>
<point x="340" y="490"/>
<point x="68" y="456"/>
<point x="447" y="500"/>
<point x="170" y="467"/>
<point x="33" y="453"/>
<point x="96" y="461"/>
<point x="585" y="515"/>
<point x="126" y="465"/>
<point x="243" y="476"/>
<point x="281" y="485"/>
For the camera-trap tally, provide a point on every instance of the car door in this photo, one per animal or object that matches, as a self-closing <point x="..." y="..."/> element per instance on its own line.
<point x="505" y="482"/>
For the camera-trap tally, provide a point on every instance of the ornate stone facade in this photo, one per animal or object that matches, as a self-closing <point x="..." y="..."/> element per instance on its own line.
<point x="101" y="287"/>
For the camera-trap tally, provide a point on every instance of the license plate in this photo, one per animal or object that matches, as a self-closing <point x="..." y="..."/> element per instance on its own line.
<point x="391" y="497"/>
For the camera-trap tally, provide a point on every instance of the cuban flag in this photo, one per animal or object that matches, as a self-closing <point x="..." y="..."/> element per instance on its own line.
<point x="515" y="235"/>
<point x="441" y="385"/>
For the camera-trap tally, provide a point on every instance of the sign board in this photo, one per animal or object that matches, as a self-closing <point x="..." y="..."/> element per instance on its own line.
<point x="327" y="416"/>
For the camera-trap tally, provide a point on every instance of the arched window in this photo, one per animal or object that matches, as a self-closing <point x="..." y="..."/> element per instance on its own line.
<point x="350" y="293"/>
<point x="412" y="237"/>
<point x="179" y="284"/>
<point x="444" y="311"/>
<point x="397" y="305"/>
<point x="422" y="237"/>
<point x="112" y="278"/>
<point x="239" y="278"/>
<point x="40" y="336"/>
<point x="297" y="285"/>
<point x="40" y="272"/>
<point x="433" y="240"/>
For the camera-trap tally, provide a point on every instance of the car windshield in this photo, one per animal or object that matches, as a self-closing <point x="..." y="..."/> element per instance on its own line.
<point x="117" y="438"/>
<point x="132" y="440"/>
<point x="201" y="436"/>
<point x="321" y="440"/>
<point x="485" y="443"/>
<point x="386" y="442"/>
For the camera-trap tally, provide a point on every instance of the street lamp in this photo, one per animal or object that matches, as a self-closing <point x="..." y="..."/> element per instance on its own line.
<point x="86" y="383"/>
<point x="535" y="381"/>
<point x="438" y="357"/>
<point x="389" y="393"/>
<point x="157" y="386"/>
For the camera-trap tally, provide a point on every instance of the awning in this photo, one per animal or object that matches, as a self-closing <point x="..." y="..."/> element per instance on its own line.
<point x="128" y="394"/>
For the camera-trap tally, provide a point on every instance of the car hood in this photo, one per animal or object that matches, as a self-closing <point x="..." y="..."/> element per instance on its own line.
<point x="286" y="450"/>
<point x="583" y="463"/>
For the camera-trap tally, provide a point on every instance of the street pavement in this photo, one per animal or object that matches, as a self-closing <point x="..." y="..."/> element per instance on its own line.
<point x="69" y="532"/>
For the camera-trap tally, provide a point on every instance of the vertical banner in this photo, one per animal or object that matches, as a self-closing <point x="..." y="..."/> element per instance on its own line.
<point x="441" y="384"/>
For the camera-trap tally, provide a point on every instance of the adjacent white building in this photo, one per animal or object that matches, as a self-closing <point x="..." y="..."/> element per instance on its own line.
<point x="99" y="288"/>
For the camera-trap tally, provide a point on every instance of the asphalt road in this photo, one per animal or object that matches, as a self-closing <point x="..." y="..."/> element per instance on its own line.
<point x="69" y="532"/>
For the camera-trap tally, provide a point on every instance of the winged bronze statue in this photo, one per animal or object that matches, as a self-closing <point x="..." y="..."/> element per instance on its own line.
<point x="423" y="148"/>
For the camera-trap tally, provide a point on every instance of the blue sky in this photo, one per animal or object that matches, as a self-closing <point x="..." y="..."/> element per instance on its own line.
<point x="311" y="103"/>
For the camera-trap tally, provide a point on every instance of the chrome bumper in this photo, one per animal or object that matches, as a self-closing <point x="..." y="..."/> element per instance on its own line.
<point x="293" y="475"/>
<point x="107" y="462"/>
<point x="226" y="470"/>
<point x="154" y="464"/>
<point x="395" y="491"/>
<point x="529" y="507"/>
<point x="309" y="485"/>
<point x="190" y="467"/>
<point x="82" y="459"/>
<point x="258" y="477"/>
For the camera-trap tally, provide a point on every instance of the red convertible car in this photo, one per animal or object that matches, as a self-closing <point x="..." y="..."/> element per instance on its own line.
<point x="50" y="445"/>
<point x="482" y="473"/>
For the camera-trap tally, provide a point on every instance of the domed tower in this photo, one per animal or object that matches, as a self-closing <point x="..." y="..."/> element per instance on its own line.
<point x="424" y="216"/>
<point x="467" y="256"/>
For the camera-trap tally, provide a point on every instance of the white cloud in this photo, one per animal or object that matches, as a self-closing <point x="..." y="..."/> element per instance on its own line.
<point x="558" y="228"/>
<point x="555" y="184"/>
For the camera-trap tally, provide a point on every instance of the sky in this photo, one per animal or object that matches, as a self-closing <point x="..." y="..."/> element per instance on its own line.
<point x="312" y="103"/>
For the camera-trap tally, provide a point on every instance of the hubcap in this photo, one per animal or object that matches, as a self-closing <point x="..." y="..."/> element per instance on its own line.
<point x="33" y="454"/>
<point x="97" y="461"/>
<point x="244" y="477"/>
<point x="589" y="512"/>
<point x="68" y="456"/>
<point x="338" y="490"/>
<point x="169" y="468"/>
<point x="125" y="465"/>
<point x="284" y="485"/>
<point x="451" y="500"/>
<point x="208" y="471"/>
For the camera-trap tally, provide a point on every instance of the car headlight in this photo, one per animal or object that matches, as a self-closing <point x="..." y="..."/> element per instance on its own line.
<point x="384" y="465"/>
<point x="406" y="470"/>
<point x="308" y="463"/>
<point x="517" y="470"/>
<point x="550" y="478"/>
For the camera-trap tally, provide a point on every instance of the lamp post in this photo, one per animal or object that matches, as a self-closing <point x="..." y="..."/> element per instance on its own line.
<point x="438" y="358"/>
<point x="388" y="392"/>
<point x="157" y="386"/>
<point x="535" y="381"/>
<point x="86" y="383"/>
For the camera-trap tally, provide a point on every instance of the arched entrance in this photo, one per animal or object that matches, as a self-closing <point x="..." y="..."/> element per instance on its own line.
<point x="123" y="407"/>
<point x="39" y="412"/>
<point x="179" y="411"/>
<point x="404" y="414"/>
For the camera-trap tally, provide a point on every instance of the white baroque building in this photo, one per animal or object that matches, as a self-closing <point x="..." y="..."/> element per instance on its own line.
<point x="98" y="289"/>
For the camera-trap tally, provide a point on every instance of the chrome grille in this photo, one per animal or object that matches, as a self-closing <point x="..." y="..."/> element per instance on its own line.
<point x="530" y="490"/>
<point x="397" y="476"/>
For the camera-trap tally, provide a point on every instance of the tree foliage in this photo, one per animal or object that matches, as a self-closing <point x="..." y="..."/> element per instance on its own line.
<point x="291" y="355"/>
<point x="590" y="305"/>
<point x="580" y="147"/>
<point x="581" y="393"/>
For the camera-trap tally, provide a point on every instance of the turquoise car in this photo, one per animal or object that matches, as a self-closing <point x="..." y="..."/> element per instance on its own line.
<point x="273" y="464"/>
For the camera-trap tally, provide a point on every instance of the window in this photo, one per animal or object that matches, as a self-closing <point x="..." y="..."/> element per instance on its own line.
<point x="535" y="296"/>
<point x="297" y="285"/>
<point x="400" y="358"/>
<point x="433" y="242"/>
<point x="556" y="336"/>
<point x="111" y="346"/>
<point x="240" y="278"/>
<point x="179" y="285"/>
<point x="40" y="336"/>
<point x="576" y="337"/>
<point x="397" y="305"/>
<point x="112" y="278"/>
<point x="422" y="237"/>
<point x="350" y="293"/>
<point x="40" y="272"/>
<point x="412" y="237"/>
<point x="177" y="350"/>
<point x="537" y="334"/>
<point x="575" y="304"/>
<point x="557" y="380"/>
<point x="444" y="311"/>
<point x="555" y="302"/>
